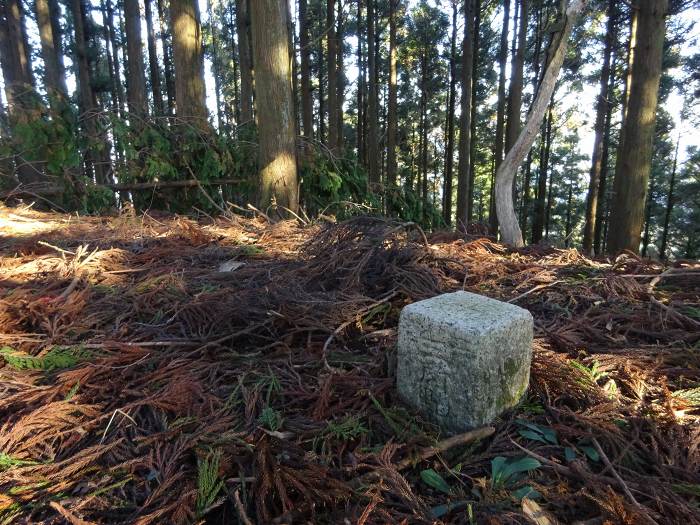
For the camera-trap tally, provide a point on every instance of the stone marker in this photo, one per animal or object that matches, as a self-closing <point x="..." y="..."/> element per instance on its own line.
<point x="463" y="358"/>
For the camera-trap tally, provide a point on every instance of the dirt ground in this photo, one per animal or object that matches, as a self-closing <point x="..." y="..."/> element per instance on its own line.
<point x="155" y="369"/>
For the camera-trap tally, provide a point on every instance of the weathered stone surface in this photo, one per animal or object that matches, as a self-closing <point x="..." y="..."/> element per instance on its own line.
<point x="463" y="358"/>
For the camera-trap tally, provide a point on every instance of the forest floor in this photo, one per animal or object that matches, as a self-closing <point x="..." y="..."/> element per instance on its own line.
<point x="154" y="369"/>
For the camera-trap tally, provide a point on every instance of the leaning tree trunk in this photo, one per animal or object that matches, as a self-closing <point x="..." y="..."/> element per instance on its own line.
<point x="136" y="79"/>
<point x="601" y="113"/>
<point x="275" y="108"/>
<point x="637" y="135"/>
<point x="510" y="229"/>
<point x="465" y="125"/>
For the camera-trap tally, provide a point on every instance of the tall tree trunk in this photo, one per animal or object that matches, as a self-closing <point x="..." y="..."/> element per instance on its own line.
<point x="167" y="58"/>
<point x="361" y="82"/>
<point x="525" y="207"/>
<point x="669" y="203"/>
<point x="450" y="124"/>
<point x="465" y="125"/>
<point x="392" y="109"/>
<point x="548" y="206"/>
<point x="500" y="108"/>
<point x="339" y="63"/>
<point x="525" y="203"/>
<point x="54" y="74"/>
<point x="602" y="109"/>
<point x="322" y="80"/>
<point x="515" y="94"/>
<point x="153" y="60"/>
<point x="424" y="134"/>
<point x="190" y="101"/>
<point x="540" y="201"/>
<point x="646" y="237"/>
<point x="278" y="172"/>
<point x="473" y="118"/>
<point x="637" y="134"/>
<point x="600" y="230"/>
<point x="117" y="87"/>
<point x="216" y="66"/>
<point x="136" y="78"/>
<point x="87" y="97"/>
<point x="332" y="71"/>
<point x="307" y="107"/>
<point x="373" y="106"/>
<point x="245" y="60"/>
<point x="18" y="77"/>
<point x="569" y="214"/>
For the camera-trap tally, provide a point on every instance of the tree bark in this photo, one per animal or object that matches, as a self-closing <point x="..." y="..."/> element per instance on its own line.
<point x="136" y="78"/>
<point x="19" y="80"/>
<point x="474" y="101"/>
<point x="392" y="109"/>
<point x="669" y="203"/>
<point x="361" y="83"/>
<point x="339" y="64"/>
<point x="167" y="60"/>
<point x="215" y="66"/>
<point x="500" y="109"/>
<point x="541" y="201"/>
<point x="465" y="125"/>
<point x="153" y="60"/>
<point x="505" y="173"/>
<point x="525" y="206"/>
<point x="190" y="101"/>
<point x="278" y="172"/>
<point x="54" y="74"/>
<point x="307" y="108"/>
<point x="245" y="59"/>
<point x="373" y="106"/>
<point x="515" y="94"/>
<point x="332" y="71"/>
<point x="602" y="109"/>
<point x="637" y="134"/>
<point x="450" y="123"/>
<point x="87" y="96"/>
<point x="600" y="229"/>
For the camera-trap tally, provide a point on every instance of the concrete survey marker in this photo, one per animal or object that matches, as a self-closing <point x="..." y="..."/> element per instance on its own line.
<point x="463" y="358"/>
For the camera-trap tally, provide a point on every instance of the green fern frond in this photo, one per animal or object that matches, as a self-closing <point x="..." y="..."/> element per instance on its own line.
<point x="270" y="418"/>
<point x="208" y="482"/>
<point x="56" y="358"/>
<point x="347" y="429"/>
<point x="690" y="396"/>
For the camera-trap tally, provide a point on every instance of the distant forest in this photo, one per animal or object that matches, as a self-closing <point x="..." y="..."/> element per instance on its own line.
<point x="332" y="108"/>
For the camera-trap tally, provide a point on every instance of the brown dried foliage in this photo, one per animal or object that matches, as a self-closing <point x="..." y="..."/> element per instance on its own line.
<point x="284" y="367"/>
